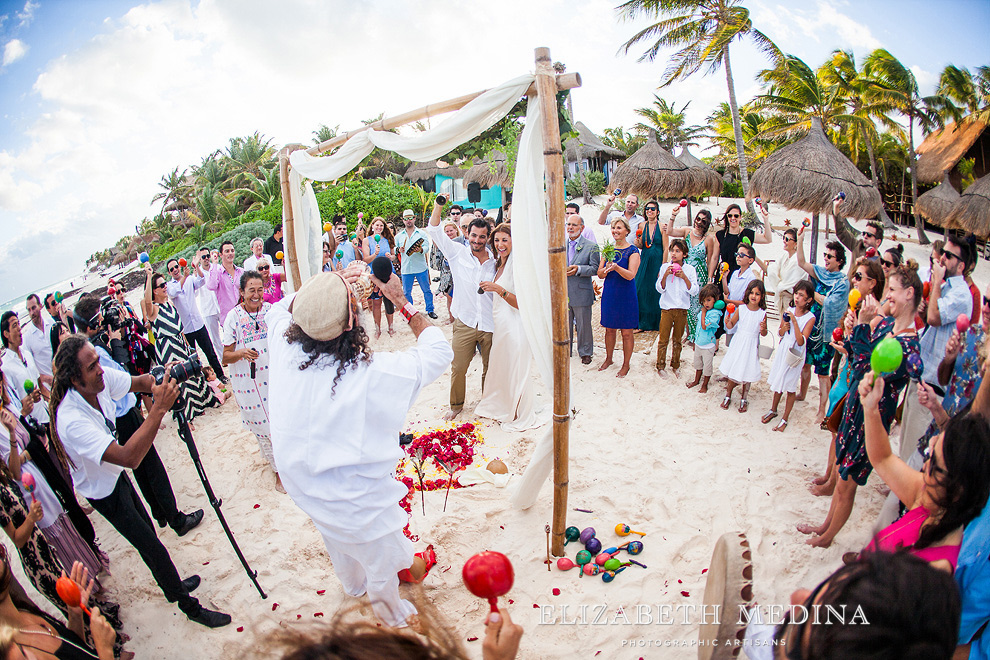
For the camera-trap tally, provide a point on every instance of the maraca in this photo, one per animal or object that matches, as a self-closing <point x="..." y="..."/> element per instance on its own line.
<point x="378" y="238"/>
<point x="612" y="564"/>
<point x="624" y="530"/>
<point x="730" y="308"/>
<point x="594" y="546"/>
<point x="837" y="335"/>
<point x="719" y="305"/>
<point x="565" y="564"/>
<point x="746" y="241"/>
<point x="360" y="214"/>
<point x="841" y="196"/>
<point x="182" y="263"/>
<point x="724" y="268"/>
<point x="327" y="227"/>
<point x="487" y="575"/>
<point x="28" y="385"/>
<point x="144" y="257"/>
<point x="587" y="534"/>
<point x="675" y="268"/>
<point x="59" y="298"/>
<point x="926" y="288"/>
<point x="806" y="222"/>
<point x="962" y="323"/>
<point x="603" y="557"/>
<point x="111" y="291"/>
<point x="279" y="255"/>
<point x="583" y="558"/>
<point x="683" y="203"/>
<point x="854" y="297"/>
<point x="571" y="534"/>
<point x="787" y="317"/>
<point x="614" y="550"/>
<point x="68" y="591"/>
<point x="608" y="576"/>
<point x="27" y="479"/>
<point x="340" y="254"/>
<point x="871" y="252"/>
<point x="591" y="568"/>
<point x="886" y="356"/>
<point x="634" y="547"/>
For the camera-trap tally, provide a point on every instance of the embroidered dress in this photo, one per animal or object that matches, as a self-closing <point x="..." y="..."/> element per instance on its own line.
<point x="250" y="331"/>
<point x="170" y="345"/>
<point x="697" y="256"/>
<point x="963" y="384"/>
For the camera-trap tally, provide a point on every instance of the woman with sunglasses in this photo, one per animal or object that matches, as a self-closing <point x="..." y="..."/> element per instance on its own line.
<point x="702" y="254"/>
<point x="651" y="239"/>
<point x="728" y="238"/>
<point x="381" y="243"/>
<point x="271" y="282"/>
<point x="786" y="272"/>
<point x="620" y="311"/>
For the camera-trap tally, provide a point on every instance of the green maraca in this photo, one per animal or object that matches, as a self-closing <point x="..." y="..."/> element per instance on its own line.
<point x="886" y="357"/>
<point x="582" y="558"/>
<point x="720" y="305"/>
<point x="378" y="238"/>
<point x="571" y="534"/>
<point x="28" y="385"/>
<point x="612" y="564"/>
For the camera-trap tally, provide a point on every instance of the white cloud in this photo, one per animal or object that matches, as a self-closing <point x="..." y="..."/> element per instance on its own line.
<point x="14" y="50"/>
<point x="927" y="81"/>
<point x="26" y="15"/>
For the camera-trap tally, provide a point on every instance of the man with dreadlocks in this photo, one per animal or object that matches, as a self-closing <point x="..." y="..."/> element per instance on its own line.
<point x="82" y="407"/>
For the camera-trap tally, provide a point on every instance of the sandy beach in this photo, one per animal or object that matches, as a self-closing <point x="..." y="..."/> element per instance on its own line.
<point x="644" y="451"/>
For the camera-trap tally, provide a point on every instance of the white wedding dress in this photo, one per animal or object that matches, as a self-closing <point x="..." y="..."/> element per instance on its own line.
<point x="509" y="393"/>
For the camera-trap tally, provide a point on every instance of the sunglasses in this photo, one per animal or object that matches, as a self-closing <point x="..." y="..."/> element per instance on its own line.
<point x="733" y="215"/>
<point x="787" y="238"/>
<point x="858" y="277"/>
<point x="951" y="255"/>
<point x="654" y="209"/>
<point x="867" y="234"/>
<point x="159" y="286"/>
<point x="743" y="254"/>
<point x="829" y="255"/>
<point x="264" y="267"/>
<point x="171" y="268"/>
<point x="931" y="465"/>
<point x="888" y="264"/>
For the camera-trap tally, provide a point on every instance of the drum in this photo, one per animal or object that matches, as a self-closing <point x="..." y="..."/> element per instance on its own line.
<point x="730" y="586"/>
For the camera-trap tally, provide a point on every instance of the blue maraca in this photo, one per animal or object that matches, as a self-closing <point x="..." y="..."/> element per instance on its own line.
<point x="594" y="546"/>
<point x="608" y="576"/>
<point x="144" y="258"/>
<point x="634" y="547"/>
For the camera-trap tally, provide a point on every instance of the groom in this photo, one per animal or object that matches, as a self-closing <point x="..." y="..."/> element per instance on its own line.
<point x="582" y="264"/>
<point x="470" y="265"/>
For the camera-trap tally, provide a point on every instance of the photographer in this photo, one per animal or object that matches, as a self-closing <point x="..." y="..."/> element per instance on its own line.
<point x="82" y="404"/>
<point x="149" y="473"/>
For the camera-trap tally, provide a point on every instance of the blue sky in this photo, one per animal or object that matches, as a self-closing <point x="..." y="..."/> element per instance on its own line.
<point x="99" y="99"/>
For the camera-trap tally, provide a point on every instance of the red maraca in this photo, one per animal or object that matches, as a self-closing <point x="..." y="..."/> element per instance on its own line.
<point x="68" y="591"/>
<point x="871" y="252"/>
<point x="27" y="480"/>
<point x="926" y="288"/>
<point x="837" y="335"/>
<point x="182" y="263"/>
<point x="962" y="323"/>
<point x="806" y="222"/>
<point x="683" y="202"/>
<point x="565" y="564"/>
<point x="730" y="308"/>
<point x="488" y="575"/>
<point x="111" y="291"/>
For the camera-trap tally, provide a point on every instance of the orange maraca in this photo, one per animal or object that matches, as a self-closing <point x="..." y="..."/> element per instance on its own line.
<point x="624" y="530"/>
<point x="68" y="591"/>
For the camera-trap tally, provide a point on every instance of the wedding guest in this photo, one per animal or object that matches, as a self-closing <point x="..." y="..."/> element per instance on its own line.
<point x="620" y="307"/>
<point x="223" y="279"/>
<point x="702" y="254"/>
<point x="677" y="282"/>
<point x="181" y="290"/>
<point x="582" y="263"/>
<point x="730" y="237"/>
<point x="36" y="339"/>
<point x="633" y="220"/>
<point x="207" y="301"/>
<point x="572" y="208"/>
<point x="412" y="244"/>
<point x="651" y="239"/>
<point x="785" y="272"/>
<point x="273" y="245"/>
<point x="257" y="250"/>
<point x="381" y="243"/>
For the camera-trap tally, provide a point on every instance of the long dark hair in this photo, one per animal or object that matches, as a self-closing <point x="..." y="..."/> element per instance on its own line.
<point x="966" y="481"/>
<point x="350" y="348"/>
<point x="503" y="228"/>
<point x="386" y="232"/>
<point x="756" y="284"/>
<point x="67" y="370"/>
<point x="725" y="215"/>
<point x="874" y="271"/>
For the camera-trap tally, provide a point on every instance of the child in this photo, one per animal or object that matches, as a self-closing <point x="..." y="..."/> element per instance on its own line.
<point x="737" y="285"/>
<point x="676" y="283"/>
<point x="795" y="328"/>
<point x="219" y="389"/>
<point x="704" y="342"/>
<point x="741" y="364"/>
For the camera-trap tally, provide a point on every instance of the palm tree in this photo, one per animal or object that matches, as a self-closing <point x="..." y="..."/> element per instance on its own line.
<point x="174" y="188"/>
<point x="248" y="155"/>
<point x="324" y="133"/>
<point x="623" y="140"/>
<point x="756" y="142"/>
<point x="212" y="208"/>
<point x="702" y="30"/>
<point x="894" y="84"/>
<point x="966" y="93"/>
<point x="668" y="122"/>
<point x="261" y="191"/>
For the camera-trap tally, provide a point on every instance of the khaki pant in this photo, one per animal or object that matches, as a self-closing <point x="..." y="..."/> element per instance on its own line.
<point x="464" y="342"/>
<point x="674" y="319"/>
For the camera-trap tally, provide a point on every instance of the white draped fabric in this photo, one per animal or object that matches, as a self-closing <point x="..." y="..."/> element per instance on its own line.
<point x="529" y="226"/>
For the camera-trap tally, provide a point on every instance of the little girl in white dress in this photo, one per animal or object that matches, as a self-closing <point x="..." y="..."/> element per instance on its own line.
<point x="741" y="364"/>
<point x="785" y="372"/>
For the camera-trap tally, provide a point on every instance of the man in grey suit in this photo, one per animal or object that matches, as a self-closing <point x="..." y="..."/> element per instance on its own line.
<point x="582" y="264"/>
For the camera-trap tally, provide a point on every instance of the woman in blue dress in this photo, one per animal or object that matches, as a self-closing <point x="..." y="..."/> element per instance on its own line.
<point x="380" y="243"/>
<point x="620" y="306"/>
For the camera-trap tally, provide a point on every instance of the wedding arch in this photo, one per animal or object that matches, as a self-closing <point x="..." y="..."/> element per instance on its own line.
<point x="539" y="256"/>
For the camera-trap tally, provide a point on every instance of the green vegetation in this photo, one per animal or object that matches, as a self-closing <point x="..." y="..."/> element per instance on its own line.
<point x="596" y="184"/>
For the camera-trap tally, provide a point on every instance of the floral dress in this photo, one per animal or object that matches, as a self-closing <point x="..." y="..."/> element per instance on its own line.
<point x="964" y="383"/>
<point x="850" y="442"/>
<point x="246" y="330"/>
<point x="697" y="256"/>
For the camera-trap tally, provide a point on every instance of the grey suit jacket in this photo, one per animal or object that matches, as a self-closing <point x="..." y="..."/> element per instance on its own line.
<point x="580" y="293"/>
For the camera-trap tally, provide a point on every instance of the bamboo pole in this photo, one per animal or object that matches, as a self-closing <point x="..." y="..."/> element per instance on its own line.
<point x="563" y="81"/>
<point x="546" y="90"/>
<point x="289" y="247"/>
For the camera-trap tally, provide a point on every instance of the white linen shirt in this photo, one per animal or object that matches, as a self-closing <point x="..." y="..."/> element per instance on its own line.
<point x="207" y="302"/>
<point x="469" y="307"/>
<point x="634" y="223"/>
<point x="39" y="345"/>
<point x="336" y="446"/>
<point x="954" y="299"/>
<point x="184" y="298"/>
<point x="738" y="282"/>
<point x="677" y="294"/>
<point x="17" y="372"/>
<point x="84" y="433"/>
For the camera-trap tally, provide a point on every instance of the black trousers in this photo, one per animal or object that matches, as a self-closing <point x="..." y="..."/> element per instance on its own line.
<point x="124" y="511"/>
<point x="202" y="337"/>
<point x="151" y="476"/>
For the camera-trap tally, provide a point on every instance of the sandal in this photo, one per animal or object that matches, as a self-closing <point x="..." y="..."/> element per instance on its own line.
<point x="769" y="416"/>
<point x="725" y="402"/>
<point x="743" y="405"/>
<point x="781" y="425"/>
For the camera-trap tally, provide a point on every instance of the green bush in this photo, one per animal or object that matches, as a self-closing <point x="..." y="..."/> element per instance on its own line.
<point x="732" y="189"/>
<point x="596" y="184"/>
<point x="240" y="236"/>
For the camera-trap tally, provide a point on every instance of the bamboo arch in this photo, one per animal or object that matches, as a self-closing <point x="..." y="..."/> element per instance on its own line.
<point x="544" y="90"/>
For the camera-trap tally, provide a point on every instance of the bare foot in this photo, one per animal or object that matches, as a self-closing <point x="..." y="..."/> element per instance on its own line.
<point x="822" y="490"/>
<point x="662" y="373"/>
<point x="693" y="383"/>
<point x="677" y="374"/>
<point x="605" y="365"/>
<point x="278" y="484"/>
<point x="192" y="427"/>
<point x="391" y="332"/>
<point x="807" y="528"/>
<point x="819" y="542"/>
<point x="703" y="389"/>
<point x="451" y="414"/>
<point x="623" y="371"/>
<point x="378" y="333"/>
<point x="818" y="481"/>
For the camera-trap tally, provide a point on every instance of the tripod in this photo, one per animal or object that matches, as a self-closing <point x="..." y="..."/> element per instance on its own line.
<point x="186" y="435"/>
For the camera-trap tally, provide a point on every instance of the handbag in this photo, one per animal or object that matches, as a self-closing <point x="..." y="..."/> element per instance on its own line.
<point x="833" y="421"/>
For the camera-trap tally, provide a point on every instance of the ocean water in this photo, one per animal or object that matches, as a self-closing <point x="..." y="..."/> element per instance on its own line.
<point x="84" y="281"/>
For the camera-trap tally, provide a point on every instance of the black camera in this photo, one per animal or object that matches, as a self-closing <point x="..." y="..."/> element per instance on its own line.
<point x="179" y="372"/>
<point x="112" y="317"/>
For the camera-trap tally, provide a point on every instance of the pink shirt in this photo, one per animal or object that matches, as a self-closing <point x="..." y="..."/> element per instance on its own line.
<point x="273" y="292"/>
<point x="905" y="532"/>
<point x="226" y="287"/>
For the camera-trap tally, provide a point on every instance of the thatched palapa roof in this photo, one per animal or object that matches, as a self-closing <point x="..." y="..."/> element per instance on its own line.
<point x="936" y="204"/>
<point x="808" y="174"/>
<point x="652" y="172"/>
<point x="587" y="145"/>
<point x="429" y="169"/>
<point x="941" y="150"/>
<point x="713" y="182"/>
<point x="482" y="173"/>
<point x="971" y="212"/>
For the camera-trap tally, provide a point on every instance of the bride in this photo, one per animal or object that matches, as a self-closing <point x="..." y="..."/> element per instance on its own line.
<point x="508" y="393"/>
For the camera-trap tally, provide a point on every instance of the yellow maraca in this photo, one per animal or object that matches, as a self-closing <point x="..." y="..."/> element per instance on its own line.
<point x="279" y="255"/>
<point x="623" y="530"/>
<point x="854" y="297"/>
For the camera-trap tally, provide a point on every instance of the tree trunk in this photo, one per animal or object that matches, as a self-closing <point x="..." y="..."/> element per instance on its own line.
<point x="813" y="257"/>
<point x="883" y="217"/>
<point x="918" y="220"/>
<point x="737" y="134"/>
<point x="588" y="199"/>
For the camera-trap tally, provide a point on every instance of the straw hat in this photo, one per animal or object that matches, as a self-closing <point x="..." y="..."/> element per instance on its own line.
<point x="322" y="308"/>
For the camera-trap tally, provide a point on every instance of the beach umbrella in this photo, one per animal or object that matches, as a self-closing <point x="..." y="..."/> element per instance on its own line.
<point x="652" y="172"/>
<point x="808" y="174"/>
<point x="713" y="182"/>
<point x="971" y="212"/>
<point x="491" y="172"/>
<point x="936" y="204"/>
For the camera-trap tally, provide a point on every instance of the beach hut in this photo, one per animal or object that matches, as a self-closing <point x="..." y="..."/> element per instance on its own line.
<point x="588" y="154"/>
<point x="971" y="212"/>
<point x="712" y="181"/>
<point x="941" y="152"/>
<point x="448" y="180"/>
<point x="936" y="204"/>
<point x="807" y="175"/>
<point x="652" y="172"/>
<point x="488" y="180"/>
